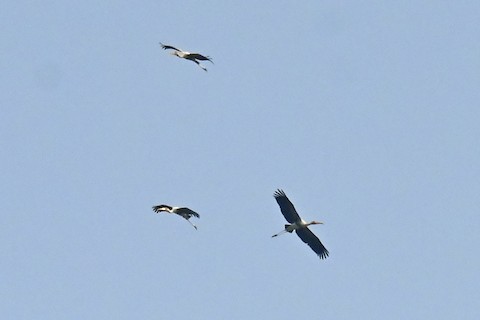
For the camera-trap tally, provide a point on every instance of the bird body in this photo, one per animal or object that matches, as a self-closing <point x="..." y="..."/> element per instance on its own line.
<point x="299" y="225"/>
<point x="187" y="55"/>
<point x="184" y="212"/>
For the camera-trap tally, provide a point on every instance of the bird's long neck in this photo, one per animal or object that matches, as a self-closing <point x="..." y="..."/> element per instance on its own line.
<point x="313" y="222"/>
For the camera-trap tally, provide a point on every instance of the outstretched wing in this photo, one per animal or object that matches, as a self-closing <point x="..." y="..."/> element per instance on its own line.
<point x="198" y="56"/>
<point x="287" y="208"/>
<point x="187" y="213"/>
<point x="165" y="47"/>
<point x="313" y="242"/>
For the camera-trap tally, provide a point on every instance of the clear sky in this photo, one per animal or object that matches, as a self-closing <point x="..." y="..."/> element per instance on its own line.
<point x="366" y="113"/>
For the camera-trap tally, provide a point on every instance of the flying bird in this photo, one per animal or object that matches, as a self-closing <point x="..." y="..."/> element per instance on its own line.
<point x="185" y="213"/>
<point x="299" y="225"/>
<point x="187" y="55"/>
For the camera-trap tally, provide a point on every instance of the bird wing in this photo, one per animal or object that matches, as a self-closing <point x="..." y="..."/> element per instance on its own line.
<point x="186" y="212"/>
<point x="313" y="242"/>
<point x="165" y="47"/>
<point x="287" y="208"/>
<point x="198" y="56"/>
<point x="161" y="207"/>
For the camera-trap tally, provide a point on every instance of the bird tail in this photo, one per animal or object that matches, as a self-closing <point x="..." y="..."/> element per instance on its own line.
<point x="286" y="228"/>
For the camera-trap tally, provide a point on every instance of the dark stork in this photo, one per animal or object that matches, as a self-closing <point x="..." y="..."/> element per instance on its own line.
<point x="185" y="213"/>
<point x="187" y="55"/>
<point x="299" y="225"/>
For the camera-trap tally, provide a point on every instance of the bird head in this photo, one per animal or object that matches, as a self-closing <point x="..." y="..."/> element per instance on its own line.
<point x="316" y="222"/>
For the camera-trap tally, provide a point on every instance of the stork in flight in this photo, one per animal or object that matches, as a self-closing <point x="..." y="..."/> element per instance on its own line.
<point x="299" y="225"/>
<point x="185" y="213"/>
<point x="187" y="55"/>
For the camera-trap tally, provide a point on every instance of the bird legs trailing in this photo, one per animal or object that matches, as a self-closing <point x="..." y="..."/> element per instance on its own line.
<point x="191" y="223"/>
<point x="288" y="228"/>
<point x="198" y="64"/>
<point x="280" y="233"/>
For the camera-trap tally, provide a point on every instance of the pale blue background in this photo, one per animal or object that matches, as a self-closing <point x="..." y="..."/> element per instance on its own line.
<point x="365" y="112"/>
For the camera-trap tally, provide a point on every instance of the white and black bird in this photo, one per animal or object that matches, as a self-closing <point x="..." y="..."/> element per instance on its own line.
<point x="299" y="225"/>
<point x="188" y="55"/>
<point x="183" y="212"/>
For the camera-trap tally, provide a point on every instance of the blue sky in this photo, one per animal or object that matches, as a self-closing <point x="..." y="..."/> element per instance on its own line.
<point x="365" y="113"/>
